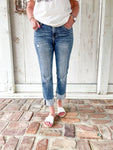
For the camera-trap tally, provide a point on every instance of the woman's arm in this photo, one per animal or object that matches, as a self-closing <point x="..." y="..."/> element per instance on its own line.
<point x="75" y="11"/>
<point x="29" y="10"/>
<point x="74" y="7"/>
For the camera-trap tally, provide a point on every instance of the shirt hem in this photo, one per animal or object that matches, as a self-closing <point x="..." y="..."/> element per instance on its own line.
<point x="50" y="24"/>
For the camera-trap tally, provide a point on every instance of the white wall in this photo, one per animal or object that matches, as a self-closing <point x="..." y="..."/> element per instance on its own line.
<point x="6" y="59"/>
<point x="91" y="62"/>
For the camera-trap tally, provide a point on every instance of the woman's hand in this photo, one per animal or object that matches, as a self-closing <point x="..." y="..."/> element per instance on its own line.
<point x="29" y="10"/>
<point x="70" y="22"/>
<point x="75" y="10"/>
<point x="35" y="24"/>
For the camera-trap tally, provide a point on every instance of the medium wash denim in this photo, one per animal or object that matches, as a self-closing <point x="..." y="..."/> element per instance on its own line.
<point x="47" y="40"/>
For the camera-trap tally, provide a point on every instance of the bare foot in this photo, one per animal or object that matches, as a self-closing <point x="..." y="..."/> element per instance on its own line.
<point x="59" y="103"/>
<point x="52" y="111"/>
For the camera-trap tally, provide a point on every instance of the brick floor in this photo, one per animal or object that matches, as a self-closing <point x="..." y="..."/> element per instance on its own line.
<point x="88" y="125"/>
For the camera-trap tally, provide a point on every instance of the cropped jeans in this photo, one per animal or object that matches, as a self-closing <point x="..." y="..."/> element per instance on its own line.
<point x="47" y="40"/>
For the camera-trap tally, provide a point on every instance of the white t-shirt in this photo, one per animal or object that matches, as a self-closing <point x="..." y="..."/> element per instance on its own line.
<point x="52" y="12"/>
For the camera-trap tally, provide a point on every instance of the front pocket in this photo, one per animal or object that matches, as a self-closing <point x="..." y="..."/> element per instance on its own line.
<point x="67" y="28"/>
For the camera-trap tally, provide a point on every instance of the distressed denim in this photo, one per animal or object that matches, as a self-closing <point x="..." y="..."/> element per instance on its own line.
<point x="49" y="40"/>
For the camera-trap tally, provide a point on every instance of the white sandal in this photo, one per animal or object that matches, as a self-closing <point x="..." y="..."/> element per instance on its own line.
<point x="49" y="120"/>
<point x="61" y="111"/>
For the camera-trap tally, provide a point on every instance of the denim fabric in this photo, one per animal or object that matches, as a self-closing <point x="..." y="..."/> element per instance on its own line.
<point x="49" y="40"/>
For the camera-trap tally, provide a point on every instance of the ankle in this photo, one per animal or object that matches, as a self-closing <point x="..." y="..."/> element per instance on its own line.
<point x="59" y="103"/>
<point x="52" y="110"/>
<point x="52" y="114"/>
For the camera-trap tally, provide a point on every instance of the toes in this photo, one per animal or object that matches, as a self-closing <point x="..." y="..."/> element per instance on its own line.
<point x="48" y="124"/>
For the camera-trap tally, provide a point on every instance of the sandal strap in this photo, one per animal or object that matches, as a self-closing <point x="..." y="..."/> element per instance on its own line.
<point x="60" y="109"/>
<point x="50" y="119"/>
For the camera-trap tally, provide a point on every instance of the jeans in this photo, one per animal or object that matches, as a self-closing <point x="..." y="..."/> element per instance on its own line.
<point x="48" y="40"/>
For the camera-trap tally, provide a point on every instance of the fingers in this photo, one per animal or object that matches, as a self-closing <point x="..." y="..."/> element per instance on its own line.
<point x="35" y="25"/>
<point x="38" y="24"/>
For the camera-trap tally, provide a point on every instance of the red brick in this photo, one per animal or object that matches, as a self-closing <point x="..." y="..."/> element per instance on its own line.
<point x="106" y="133"/>
<point x="69" y="130"/>
<point x="87" y="127"/>
<point x="64" y="143"/>
<point x="12" y="107"/>
<point x="109" y="111"/>
<point x="42" y="144"/>
<point x="84" y="117"/>
<point x="7" y="101"/>
<point x="101" y="101"/>
<point x="100" y="121"/>
<point x="2" y="140"/>
<point x="12" y="104"/>
<point x="65" y="101"/>
<point x="21" y="102"/>
<point x="73" y="108"/>
<point x="97" y="115"/>
<point x="33" y="127"/>
<point x="74" y="101"/>
<point x="83" y="145"/>
<point x="27" y="143"/>
<point x="104" y="145"/>
<point x="25" y="107"/>
<point x="39" y="119"/>
<point x="2" y="100"/>
<point x="111" y="116"/>
<point x="15" y="128"/>
<point x="37" y="114"/>
<point x="11" y="144"/>
<point x="95" y="101"/>
<point x="84" y="106"/>
<point x="88" y="135"/>
<point x="86" y="110"/>
<point x="71" y="114"/>
<point x="99" y="109"/>
<point x="35" y="107"/>
<point x="56" y="125"/>
<point x="6" y="116"/>
<point x="37" y="101"/>
<point x="109" y="107"/>
<point x="3" y="125"/>
<point x="26" y="116"/>
<point x="16" y="116"/>
<point x="108" y="101"/>
<point x="30" y="101"/>
<point x="50" y="132"/>
<point x="2" y="106"/>
<point x="70" y="120"/>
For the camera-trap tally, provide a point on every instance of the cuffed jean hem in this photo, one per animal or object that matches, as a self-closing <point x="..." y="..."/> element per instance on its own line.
<point x="49" y="102"/>
<point x="60" y="97"/>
